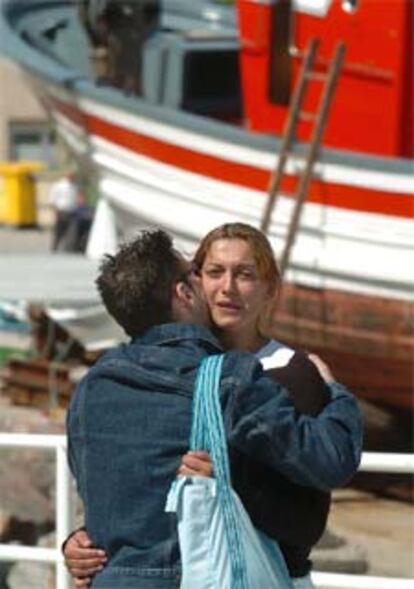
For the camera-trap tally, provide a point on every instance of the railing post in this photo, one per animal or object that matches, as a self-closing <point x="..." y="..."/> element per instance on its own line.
<point x="63" y="513"/>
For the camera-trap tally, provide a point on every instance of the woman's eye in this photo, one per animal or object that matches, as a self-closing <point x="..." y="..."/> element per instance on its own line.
<point x="247" y="274"/>
<point x="213" y="273"/>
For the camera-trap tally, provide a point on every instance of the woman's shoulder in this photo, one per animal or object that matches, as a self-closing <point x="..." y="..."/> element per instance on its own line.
<point x="275" y="354"/>
<point x="293" y="369"/>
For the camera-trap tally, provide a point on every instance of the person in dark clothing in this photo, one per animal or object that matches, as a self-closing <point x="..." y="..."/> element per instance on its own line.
<point x="118" y="30"/>
<point x="250" y="476"/>
<point x="299" y="513"/>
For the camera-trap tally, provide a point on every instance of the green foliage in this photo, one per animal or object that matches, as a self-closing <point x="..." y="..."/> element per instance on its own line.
<point x="8" y="353"/>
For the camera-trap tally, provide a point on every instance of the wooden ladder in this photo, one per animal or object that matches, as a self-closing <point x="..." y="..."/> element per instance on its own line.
<point x="289" y="135"/>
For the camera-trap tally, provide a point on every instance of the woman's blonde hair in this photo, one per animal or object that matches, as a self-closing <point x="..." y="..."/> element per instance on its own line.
<point x="262" y="252"/>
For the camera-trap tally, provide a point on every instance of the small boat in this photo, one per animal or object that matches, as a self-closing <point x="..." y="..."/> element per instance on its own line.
<point x="180" y="110"/>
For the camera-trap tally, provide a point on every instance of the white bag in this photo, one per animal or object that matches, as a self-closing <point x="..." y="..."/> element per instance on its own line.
<point x="220" y="548"/>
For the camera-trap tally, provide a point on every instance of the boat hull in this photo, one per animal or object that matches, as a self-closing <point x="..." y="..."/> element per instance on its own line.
<point x="347" y="297"/>
<point x="367" y="340"/>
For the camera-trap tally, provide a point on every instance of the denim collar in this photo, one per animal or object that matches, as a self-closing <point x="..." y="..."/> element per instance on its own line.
<point x="170" y="332"/>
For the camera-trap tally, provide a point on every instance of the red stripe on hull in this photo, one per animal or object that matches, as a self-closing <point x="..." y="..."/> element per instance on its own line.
<point x="330" y="194"/>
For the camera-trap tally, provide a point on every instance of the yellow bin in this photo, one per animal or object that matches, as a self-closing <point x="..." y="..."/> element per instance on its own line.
<point x="18" y="193"/>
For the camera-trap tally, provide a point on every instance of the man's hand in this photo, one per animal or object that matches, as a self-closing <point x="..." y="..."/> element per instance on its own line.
<point x="323" y="368"/>
<point x="196" y="464"/>
<point x="82" y="559"/>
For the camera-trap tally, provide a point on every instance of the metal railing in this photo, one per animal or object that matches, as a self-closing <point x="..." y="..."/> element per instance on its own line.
<point x="371" y="462"/>
<point x="63" y="504"/>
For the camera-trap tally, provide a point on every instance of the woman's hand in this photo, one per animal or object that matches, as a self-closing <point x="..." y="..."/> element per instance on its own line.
<point x="196" y="464"/>
<point x="323" y="368"/>
<point x="82" y="560"/>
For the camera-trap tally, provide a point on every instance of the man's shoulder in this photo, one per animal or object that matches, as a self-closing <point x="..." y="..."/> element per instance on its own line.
<point x="108" y="361"/>
<point x="241" y="366"/>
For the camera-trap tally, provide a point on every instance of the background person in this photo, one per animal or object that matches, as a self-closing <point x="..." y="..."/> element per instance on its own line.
<point x="64" y="196"/>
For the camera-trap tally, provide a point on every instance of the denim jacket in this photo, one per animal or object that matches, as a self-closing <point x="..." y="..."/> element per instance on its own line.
<point x="129" y="425"/>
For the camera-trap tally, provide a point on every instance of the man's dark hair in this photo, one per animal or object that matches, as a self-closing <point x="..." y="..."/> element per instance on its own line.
<point x="136" y="284"/>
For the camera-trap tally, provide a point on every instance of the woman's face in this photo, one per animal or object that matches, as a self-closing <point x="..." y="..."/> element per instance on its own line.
<point x="234" y="291"/>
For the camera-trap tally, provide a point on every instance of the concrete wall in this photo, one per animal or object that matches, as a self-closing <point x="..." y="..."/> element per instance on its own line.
<point x="17" y="103"/>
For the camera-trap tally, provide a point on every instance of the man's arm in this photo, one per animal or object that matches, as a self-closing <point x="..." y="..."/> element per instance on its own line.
<point x="82" y="559"/>
<point x="322" y="451"/>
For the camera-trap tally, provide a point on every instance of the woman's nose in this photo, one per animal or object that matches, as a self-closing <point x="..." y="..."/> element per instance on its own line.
<point x="228" y="283"/>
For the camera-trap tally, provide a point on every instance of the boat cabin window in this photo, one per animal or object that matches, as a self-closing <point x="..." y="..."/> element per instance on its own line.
<point x="194" y="72"/>
<point x="32" y="141"/>
<point x="211" y="83"/>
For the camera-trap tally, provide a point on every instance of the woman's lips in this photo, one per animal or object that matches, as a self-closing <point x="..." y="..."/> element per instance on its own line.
<point x="227" y="306"/>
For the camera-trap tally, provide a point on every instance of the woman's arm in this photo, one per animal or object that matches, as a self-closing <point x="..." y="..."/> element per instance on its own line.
<point x="82" y="559"/>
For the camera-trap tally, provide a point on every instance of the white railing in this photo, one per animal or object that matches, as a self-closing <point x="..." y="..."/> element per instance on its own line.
<point x="349" y="581"/>
<point x="371" y="462"/>
<point x="62" y="508"/>
<point x="381" y="462"/>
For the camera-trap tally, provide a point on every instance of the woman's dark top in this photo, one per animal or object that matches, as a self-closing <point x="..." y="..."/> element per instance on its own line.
<point x="294" y="515"/>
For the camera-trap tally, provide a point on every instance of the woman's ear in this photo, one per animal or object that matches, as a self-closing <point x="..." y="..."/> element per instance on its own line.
<point x="273" y="295"/>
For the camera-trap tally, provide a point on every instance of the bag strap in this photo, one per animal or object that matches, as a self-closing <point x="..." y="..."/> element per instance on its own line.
<point x="208" y="428"/>
<point x="208" y="433"/>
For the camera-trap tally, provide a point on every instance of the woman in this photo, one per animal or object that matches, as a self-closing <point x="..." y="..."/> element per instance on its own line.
<point x="241" y="281"/>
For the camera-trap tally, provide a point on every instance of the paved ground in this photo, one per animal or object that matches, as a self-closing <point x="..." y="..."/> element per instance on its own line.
<point x="29" y="270"/>
<point x="382" y="529"/>
<point x="24" y="240"/>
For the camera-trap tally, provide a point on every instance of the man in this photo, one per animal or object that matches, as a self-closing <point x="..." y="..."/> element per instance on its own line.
<point x="64" y="197"/>
<point x="130" y="419"/>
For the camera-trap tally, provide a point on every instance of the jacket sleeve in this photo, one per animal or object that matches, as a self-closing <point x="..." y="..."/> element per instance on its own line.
<point x="75" y="435"/>
<point x="323" y="451"/>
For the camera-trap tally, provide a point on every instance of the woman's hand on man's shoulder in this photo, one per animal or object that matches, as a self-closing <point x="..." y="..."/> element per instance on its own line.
<point x="323" y="368"/>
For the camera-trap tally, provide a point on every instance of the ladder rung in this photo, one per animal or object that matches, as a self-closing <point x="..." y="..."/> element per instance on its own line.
<point x="316" y="76"/>
<point x="307" y="116"/>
